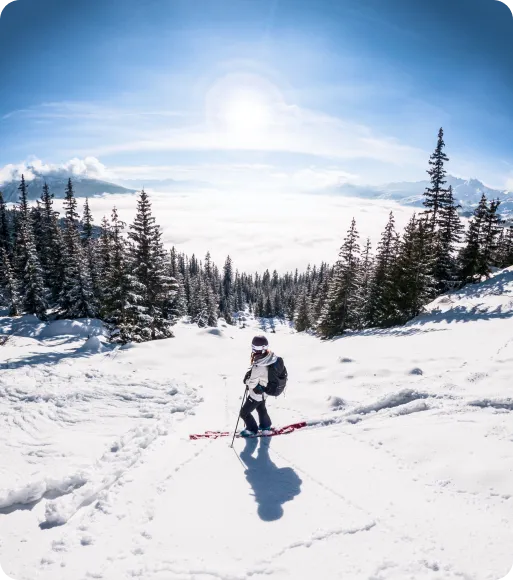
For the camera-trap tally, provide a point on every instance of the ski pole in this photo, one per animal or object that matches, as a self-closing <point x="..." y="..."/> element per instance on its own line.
<point x="238" y="418"/>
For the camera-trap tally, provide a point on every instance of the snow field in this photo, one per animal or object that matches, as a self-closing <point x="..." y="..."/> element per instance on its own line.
<point x="405" y="470"/>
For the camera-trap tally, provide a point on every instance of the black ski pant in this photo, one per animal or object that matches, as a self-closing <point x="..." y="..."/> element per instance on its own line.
<point x="263" y="417"/>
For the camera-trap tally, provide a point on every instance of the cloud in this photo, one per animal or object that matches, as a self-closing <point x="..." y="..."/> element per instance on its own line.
<point x="33" y="167"/>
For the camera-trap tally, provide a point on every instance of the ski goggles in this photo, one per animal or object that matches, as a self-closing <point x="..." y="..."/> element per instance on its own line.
<point x="262" y="348"/>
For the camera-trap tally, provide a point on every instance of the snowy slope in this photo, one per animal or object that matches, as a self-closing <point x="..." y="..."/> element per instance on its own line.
<point x="405" y="472"/>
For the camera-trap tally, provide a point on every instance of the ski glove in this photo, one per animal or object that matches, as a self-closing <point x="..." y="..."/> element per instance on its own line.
<point x="246" y="376"/>
<point x="259" y="389"/>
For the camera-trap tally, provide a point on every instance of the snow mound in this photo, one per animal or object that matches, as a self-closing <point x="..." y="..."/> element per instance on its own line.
<point x="36" y="490"/>
<point x="390" y="401"/>
<point x="214" y="332"/>
<point x="92" y="345"/>
<point x="504" y="403"/>
<point x="81" y="327"/>
<point x="336" y="402"/>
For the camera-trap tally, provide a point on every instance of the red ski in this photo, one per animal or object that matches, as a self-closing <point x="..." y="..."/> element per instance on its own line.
<point x="280" y="431"/>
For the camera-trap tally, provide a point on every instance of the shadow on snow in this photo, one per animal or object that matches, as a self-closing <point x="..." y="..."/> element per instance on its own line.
<point x="272" y="486"/>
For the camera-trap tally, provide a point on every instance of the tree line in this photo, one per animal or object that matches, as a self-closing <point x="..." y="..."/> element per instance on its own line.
<point x="57" y="266"/>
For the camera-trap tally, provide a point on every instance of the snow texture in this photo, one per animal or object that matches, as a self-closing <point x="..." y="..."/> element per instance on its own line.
<point x="404" y="471"/>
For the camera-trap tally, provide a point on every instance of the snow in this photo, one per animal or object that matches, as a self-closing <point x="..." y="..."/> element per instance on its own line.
<point x="404" y="471"/>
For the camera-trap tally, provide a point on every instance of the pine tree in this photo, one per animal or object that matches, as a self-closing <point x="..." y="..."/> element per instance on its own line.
<point x="5" y="232"/>
<point x="179" y="302"/>
<point x="505" y="250"/>
<point x="50" y="244"/>
<point x="23" y="197"/>
<point x="380" y="307"/>
<point x="9" y="286"/>
<point x="76" y="298"/>
<point x="340" y="311"/>
<point x="434" y="195"/>
<point x="447" y="238"/>
<point x="149" y="262"/>
<point x="489" y="235"/>
<point x="103" y="255"/>
<point x="227" y="291"/>
<point x="364" y="292"/>
<point x="34" y="293"/>
<point x="121" y="290"/>
<point x="89" y="250"/>
<point x="470" y="254"/>
<point x="414" y="284"/>
<point x="87" y="222"/>
<point x="302" y="317"/>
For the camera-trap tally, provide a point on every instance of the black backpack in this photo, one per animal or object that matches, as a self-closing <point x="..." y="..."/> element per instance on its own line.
<point x="277" y="378"/>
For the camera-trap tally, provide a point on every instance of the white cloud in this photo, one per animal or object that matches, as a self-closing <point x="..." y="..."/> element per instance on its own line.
<point x="32" y="167"/>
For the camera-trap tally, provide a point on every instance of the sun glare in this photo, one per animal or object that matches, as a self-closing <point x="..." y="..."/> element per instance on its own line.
<point x="246" y="112"/>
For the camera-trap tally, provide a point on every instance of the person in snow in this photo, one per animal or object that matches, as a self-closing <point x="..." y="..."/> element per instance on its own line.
<point x="266" y="373"/>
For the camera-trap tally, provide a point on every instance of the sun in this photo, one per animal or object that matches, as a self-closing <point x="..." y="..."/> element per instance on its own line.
<point x="246" y="111"/>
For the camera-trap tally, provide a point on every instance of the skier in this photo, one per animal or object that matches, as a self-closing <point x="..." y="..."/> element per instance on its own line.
<point x="267" y="376"/>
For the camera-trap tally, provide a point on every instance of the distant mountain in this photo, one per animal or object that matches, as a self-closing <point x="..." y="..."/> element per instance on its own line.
<point x="466" y="192"/>
<point x="83" y="186"/>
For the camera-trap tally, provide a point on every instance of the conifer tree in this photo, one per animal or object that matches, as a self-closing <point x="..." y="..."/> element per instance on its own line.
<point x="227" y="291"/>
<point x="120" y="287"/>
<point x="179" y="301"/>
<point x="340" y="311"/>
<point x="22" y="188"/>
<point x="380" y="310"/>
<point x="489" y="235"/>
<point x="447" y="238"/>
<point x="9" y="286"/>
<point x="505" y="248"/>
<point x="470" y="254"/>
<point x="50" y="244"/>
<point x="149" y="263"/>
<point x="34" y="293"/>
<point x="89" y="250"/>
<point x="303" y="318"/>
<point x="103" y="254"/>
<point x="414" y="284"/>
<point x="364" y="292"/>
<point x="76" y="298"/>
<point x="5" y="232"/>
<point x="434" y="196"/>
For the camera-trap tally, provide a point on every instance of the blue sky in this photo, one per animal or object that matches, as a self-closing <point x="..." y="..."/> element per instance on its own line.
<point x="273" y="92"/>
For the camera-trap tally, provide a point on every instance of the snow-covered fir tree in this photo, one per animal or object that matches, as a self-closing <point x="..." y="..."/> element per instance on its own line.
<point x="341" y="310"/>
<point x="149" y="263"/>
<point x="76" y="298"/>
<point x="470" y="254"/>
<point x="303" y="315"/>
<point x="89" y="249"/>
<point x="120" y="290"/>
<point x="445" y="242"/>
<point x="414" y="285"/>
<point x="489" y="236"/>
<point x="366" y="270"/>
<point x="9" y="286"/>
<point x="380" y="309"/>
<point x="5" y="231"/>
<point x="51" y="244"/>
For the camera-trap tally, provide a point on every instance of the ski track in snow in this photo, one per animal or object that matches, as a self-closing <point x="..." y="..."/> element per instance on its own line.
<point x="404" y="471"/>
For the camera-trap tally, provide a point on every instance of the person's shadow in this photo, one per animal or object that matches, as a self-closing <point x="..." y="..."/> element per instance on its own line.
<point x="272" y="485"/>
